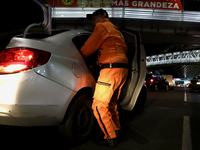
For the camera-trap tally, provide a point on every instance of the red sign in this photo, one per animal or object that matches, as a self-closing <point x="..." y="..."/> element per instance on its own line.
<point x="62" y="3"/>
<point x="152" y="4"/>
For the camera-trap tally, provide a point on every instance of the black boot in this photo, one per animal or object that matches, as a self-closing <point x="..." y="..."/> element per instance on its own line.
<point x="109" y="142"/>
<point x="119" y="135"/>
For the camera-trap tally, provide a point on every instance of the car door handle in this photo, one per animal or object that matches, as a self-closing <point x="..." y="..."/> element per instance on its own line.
<point x="134" y="70"/>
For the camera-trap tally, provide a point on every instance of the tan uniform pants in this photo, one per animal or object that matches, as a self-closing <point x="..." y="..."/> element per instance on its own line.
<point x="106" y="94"/>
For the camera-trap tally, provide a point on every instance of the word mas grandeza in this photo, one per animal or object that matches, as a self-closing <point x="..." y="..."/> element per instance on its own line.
<point x="162" y="4"/>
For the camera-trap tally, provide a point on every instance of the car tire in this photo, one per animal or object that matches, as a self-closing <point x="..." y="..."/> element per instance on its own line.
<point x="79" y="122"/>
<point x="166" y="88"/>
<point x="142" y="98"/>
<point x="155" y="88"/>
<point x="191" y="90"/>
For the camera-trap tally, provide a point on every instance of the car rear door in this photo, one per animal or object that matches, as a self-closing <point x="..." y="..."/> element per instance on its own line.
<point x="161" y="82"/>
<point x="137" y="71"/>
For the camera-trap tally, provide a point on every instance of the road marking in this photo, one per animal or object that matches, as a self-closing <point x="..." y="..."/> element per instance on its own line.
<point x="185" y="96"/>
<point x="186" y="141"/>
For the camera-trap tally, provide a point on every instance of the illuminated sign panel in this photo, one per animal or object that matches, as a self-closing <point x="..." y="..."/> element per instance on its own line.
<point x="145" y="4"/>
<point x="153" y="4"/>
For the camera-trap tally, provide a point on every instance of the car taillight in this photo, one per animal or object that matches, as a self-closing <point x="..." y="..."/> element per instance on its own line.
<point x="151" y="80"/>
<point x="19" y="59"/>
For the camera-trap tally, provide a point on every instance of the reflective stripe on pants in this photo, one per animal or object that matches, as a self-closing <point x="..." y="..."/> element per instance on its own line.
<point x="106" y="94"/>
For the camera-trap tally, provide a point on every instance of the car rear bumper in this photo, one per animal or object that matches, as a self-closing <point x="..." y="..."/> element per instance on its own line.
<point x="150" y="86"/>
<point x="194" y="87"/>
<point x="29" y="115"/>
<point x="28" y="99"/>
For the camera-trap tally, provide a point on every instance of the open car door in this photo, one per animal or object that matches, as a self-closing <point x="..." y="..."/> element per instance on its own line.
<point x="137" y="72"/>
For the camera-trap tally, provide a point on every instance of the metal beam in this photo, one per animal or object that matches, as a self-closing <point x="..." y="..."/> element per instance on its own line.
<point x="170" y="38"/>
<point x="182" y="57"/>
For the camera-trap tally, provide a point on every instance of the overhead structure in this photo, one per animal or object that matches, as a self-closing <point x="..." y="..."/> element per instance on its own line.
<point x="134" y="9"/>
<point x="185" y="64"/>
<point x="166" y="26"/>
<point x="183" y="57"/>
<point x="132" y="13"/>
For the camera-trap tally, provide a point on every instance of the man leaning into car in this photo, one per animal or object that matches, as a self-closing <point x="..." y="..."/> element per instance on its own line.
<point x="112" y="50"/>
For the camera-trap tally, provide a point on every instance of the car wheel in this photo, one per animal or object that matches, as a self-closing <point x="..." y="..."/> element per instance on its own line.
<point x="155" y="87"/>
<point x="79" y="121"/>
<point x="166" y="87"/>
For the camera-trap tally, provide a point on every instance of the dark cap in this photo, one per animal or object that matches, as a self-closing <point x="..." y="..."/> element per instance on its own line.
<point x="97" y="12"/>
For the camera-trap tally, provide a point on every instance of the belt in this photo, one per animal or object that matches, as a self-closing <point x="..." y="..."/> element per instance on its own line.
<point x="114" y="65"/>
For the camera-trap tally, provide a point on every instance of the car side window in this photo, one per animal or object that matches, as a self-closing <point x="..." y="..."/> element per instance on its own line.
<point x="80" y="40"/>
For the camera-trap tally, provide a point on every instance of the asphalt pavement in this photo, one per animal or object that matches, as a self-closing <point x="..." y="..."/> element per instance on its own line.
<point x="170" y="121"/>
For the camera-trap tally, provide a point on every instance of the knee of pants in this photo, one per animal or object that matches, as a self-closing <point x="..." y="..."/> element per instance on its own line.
<point x="99" y="104"/>
<point x="100" y="108"/>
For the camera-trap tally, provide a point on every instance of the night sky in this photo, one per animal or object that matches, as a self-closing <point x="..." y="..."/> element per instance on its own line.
<point x="16" y="14"/>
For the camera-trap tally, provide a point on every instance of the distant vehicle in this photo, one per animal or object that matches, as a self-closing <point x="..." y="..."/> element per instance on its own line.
<point x="180" y="85"/>
<point x="179" y="82"/>
<point x="187" y="85"/>
<point x="169" y="78"/>
<point x="195" y="84"/>
<point x="155" y="82"/>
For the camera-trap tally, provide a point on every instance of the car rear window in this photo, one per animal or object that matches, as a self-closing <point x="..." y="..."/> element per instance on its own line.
<point x="80" y="40"/>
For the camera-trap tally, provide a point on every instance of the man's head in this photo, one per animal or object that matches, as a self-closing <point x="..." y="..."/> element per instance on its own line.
<point x="97" y="16"/>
